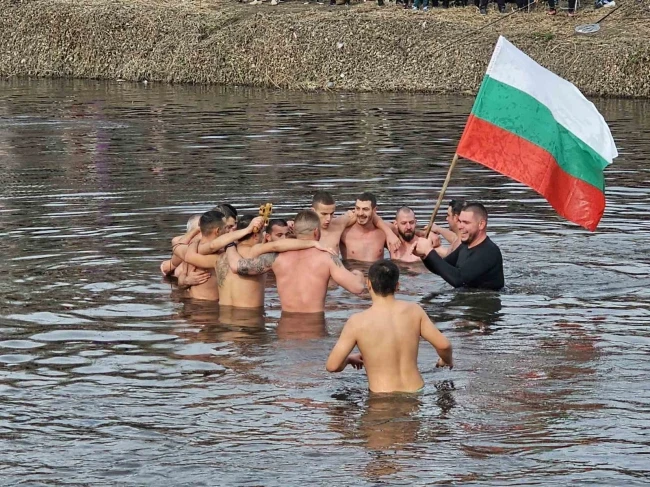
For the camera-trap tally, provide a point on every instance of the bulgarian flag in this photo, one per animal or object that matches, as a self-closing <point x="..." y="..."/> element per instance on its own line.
<point x="538" y="129"/>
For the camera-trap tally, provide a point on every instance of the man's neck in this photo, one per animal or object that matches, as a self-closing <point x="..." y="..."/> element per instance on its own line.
<point x="367" y="227"/>
<point x="304" y="237"/>
<point x="246" y="243"/>
<point x="382" y="301"/>
<point x="478" y="241"/>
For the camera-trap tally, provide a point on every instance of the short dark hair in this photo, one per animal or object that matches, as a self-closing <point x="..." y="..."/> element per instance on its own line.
<point x="456" y="206"/>
<point x="383" y="276"/>
<point x="243" y="223"/>
<point x="276" y="222"/>
<point x="306" y="222"/>
<point x="477" y="209"/>
<point x="227" y="209"/>
<point x="365" y="196"/>
<point x="210" y="220"/>
<point x="322" y="198"/>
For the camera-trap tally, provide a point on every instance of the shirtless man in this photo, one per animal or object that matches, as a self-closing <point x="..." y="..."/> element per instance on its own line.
<point x="244" y="291"/>
<point x="302" y="275"/>
<point x="211" y="225"/>
<point x="453" y="234"/>
<point x="406" y="224"/>
<point x="277" y="229"/>
<point x="365" y="241"/>
<point x="332" y="228"/>
<point x="169" y="266"/>
<point x="388" y="336"/>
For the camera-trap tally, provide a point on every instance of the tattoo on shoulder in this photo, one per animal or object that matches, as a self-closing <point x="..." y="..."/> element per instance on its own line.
<point x="259" y="265"/>
<point x="337" y="260"/>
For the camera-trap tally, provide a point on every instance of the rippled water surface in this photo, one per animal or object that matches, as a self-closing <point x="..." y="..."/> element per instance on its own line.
<point x="107" y="377"/>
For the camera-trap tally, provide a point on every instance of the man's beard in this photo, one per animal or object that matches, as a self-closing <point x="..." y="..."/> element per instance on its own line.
<point x="407" y="237"/>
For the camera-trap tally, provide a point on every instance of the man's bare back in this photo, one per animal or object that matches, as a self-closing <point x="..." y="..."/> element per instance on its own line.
<point x="247" y="291"/>
<point x="302" y="275"/>
<point x="239" y="291"/>
<point x="302" y="279"/>
<point x="388" y="336"/>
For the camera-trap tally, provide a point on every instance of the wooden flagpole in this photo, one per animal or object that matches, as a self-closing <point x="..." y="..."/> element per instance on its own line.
<point x="442" y="194"/>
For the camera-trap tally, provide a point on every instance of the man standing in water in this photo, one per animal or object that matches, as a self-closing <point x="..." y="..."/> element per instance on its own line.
<point x="364" y="241"/>
<point x="302" y="275"/>
<point x="211" y="224"/>
<point x="388" y="336"/>
<point x="453" y="234"/>
<point x="332" y="228"/>
<point x="406" y="224"/>
<point x="247" y="291"/>
<point x="476" y="263"/>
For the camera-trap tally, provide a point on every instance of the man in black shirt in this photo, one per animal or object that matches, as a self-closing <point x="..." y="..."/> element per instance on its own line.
<point x="476" y="263"/>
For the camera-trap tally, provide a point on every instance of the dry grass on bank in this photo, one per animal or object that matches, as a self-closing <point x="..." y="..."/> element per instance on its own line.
<point x="313" y="46"/>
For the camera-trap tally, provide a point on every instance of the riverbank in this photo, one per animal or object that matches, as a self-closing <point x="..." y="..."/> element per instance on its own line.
<point x="312" y="47"/>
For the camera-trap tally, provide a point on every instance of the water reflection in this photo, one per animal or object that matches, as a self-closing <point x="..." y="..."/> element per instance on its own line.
<point x="107" y="373"/>
<point x="301" y="326"/>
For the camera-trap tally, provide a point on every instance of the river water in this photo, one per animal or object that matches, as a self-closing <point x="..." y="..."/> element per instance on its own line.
<point x="109" y="378"/>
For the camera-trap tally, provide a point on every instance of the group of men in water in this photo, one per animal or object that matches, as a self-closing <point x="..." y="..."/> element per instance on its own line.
<point x="226" y="258"/>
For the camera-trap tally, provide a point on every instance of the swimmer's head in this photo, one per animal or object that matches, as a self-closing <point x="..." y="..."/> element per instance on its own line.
<point x="193" y="222"/>
<point x="383" y="278"/>
<point x="405" y="222"/>
<point x="324" y="206"/>
<point x="364" y="207"/>
<point x="453" y="212"/>
<point x="306" y="225"/>
<point x="230" y="213"/>
<point x="277" y="229"/>
<point x="243" y="223"/>
<point x="212" y="224"/>
<point x="472" y="222"/>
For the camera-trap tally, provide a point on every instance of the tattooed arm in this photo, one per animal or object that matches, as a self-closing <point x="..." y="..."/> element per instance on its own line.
<point x="352" y="281"/>
<point x="249" y="267"/>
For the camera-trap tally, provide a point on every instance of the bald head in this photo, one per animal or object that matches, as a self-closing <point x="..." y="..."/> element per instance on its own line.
<point x="405" y="222"/>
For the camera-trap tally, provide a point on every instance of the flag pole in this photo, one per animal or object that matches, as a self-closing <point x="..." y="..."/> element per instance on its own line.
<point x="442" y="194"/>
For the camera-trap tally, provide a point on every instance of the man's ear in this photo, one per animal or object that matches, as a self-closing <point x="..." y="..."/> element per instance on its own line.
<point x="397" y="287"/>
<point x="482" y="224"/>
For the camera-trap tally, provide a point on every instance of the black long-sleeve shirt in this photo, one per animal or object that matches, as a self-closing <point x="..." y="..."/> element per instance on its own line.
<point x="478" y="267"/>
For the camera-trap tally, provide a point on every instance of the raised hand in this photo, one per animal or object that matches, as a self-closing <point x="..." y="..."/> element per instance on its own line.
<point x="434" y="238"/>
<point x="423" y="247"/>
<point x="256" y="224"/>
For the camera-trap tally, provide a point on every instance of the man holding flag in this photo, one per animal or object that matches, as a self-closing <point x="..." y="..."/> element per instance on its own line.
<point x="476" y="263"/>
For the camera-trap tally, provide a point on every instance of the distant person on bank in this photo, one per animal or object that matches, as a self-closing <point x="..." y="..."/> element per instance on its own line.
<point x="476" y="263"/>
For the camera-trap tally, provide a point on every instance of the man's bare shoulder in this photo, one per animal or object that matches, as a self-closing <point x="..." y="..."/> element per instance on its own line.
<point x="413" y="309"/>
